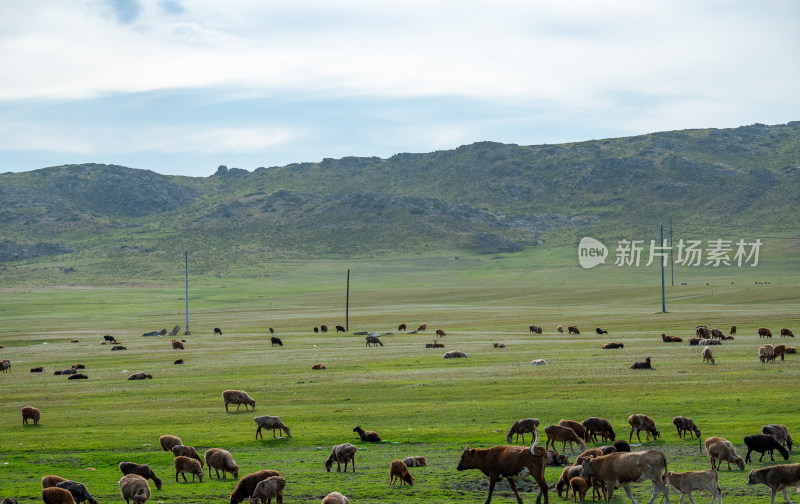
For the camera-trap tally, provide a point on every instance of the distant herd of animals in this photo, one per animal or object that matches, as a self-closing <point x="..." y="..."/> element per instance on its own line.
<point x="602" y="469"/>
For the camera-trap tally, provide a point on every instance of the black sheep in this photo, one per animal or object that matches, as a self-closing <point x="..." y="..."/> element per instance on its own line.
<point x="143" y="470"/>
<point x="78" y="490"/>
<point x="763" y="443"/>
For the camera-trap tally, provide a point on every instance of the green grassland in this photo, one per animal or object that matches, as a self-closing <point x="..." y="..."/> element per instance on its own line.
<point x="420" y="403"/>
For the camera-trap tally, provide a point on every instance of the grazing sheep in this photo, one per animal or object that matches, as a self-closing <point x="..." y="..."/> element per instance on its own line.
<point x="642" y="364"/>
<point x="9" y="500"/>
<point x="217" y="330"/>
<point x="37" y="369"/>
<point x="367" y="436"/>
<point x="596" y="426"/>
<point x="560" y="328"/>
<point x="573" y="329"/>
<point x="612" y="345"/>
<point x="217" y="458"/>
<point x="177" y="345"/>
<point x="78" y="490"/>
<point x="567" y="474"/>
<point x="535" y="329"/>
<point x="416" y="461"/>
<point x="335" y="498"/>
<point x="187" y="464"/>
<point x="732" y="332"/>
<point x="238" y="397"/>
<point x="454" y="354"/>
<point x="341" y="454"/>
<point x="780" y="433"/>
<point x="702" y="332"/>
<point x="140" y="376"/>
<point x="422" y="327"/>
<point x="318" y="365"/>
<point x="316" y="330"/>
<point x="520" y="427"/>
<point x="721" y="449"/>
<point x="691" y="481"/>
<point x="707" y="356"/>
<point x="276" y="341"/>
<point x="340" y="329"/>
<point x="780" y="350"/>
<point x="323" y="328"/>
<point x="51" y="480"/>
<point x="178" y="361"/>
<point x="766" y="353"/>
<point x="268" y="489"/>
<point x="143" y="470"/>
<point x="763" y="332"/>
<point x="399" y="471"/>
<point x="716" y="333"/>
<point x="559" y="433"/>
<point x="763" y="443"/>
<point x="644" y="423"/>
<point x="499" y="345"/>
<point x="373" y="340"/>
<point x="270" y="422"/>
<point x="786" y="332"/>
<point x="401" y="327"/>
<point x="187" y="451"/>
<point x="134" y="488"/>
<point x="75" y="341"/>
<point x="684" y="425"/>
<point x="578" y="427"/>
<point x="440" y="333"/>
<point x="247" y="485"/>
<point x="31" y="413"/>
<point x="55" y="495"/>
<point x="167" y="442"/>
<point x="579" y="488"/>
<point x="5" y="365"/>
<point x="109" y="338"/>
<point x="695" y="341"/>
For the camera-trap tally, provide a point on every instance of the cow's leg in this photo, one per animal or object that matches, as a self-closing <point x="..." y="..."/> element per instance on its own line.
<point x="543" y="489"/>
<point x="513" y="485"/>
<point x="691" y="499"/>
<point x="627" y="488"/>
<point x="786" y="497"/>
<point x="661" y="488"/>
<point x="492" y="483"/>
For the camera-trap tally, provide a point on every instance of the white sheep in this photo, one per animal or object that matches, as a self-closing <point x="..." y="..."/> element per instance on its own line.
<point x="217" y="458"/>
<point x="134" y="488"/>
<point x="335" y="498"/>
<point x="342" y="454"/>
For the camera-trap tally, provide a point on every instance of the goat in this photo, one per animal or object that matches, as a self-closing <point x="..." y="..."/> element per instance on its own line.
<point x="342" y="454"/>
<point x="270" y="422"/>
<point x="520" y="427"/>
<point x="398" y="471"/>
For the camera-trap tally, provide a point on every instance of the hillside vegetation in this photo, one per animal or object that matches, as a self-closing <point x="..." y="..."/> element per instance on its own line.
<point x="112" y="221"/>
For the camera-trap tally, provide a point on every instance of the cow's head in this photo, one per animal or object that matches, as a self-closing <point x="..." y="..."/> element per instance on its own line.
<point x="586" y="465"/>
<point x="755" y="477"/>
<point x="467" y="459"/>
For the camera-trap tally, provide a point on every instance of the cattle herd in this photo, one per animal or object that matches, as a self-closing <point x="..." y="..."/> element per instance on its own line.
<point x="603" y="469"/>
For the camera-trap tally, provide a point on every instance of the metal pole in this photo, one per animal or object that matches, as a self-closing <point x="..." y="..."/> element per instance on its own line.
<point x="347" y="305"/>
<point x="663" y="297"/>
<point x="186" y="258"/>
<point x="671" y="258"/>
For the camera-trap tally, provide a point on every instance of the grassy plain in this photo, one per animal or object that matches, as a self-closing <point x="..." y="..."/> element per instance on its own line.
<point x="420" y="403"/>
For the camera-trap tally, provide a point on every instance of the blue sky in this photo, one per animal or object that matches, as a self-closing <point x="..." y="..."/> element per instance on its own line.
<point x="181" y="87"/>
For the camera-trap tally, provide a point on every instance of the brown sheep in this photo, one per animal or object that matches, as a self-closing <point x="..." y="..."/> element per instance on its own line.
<point x="578" y="427"/>
<point x="168" y="442"/>
<point x="596" y="426"/>
<point x="416" y="461"/>
<point x="567" y="474"/>
<point x="143" y="470"/>
<point x="644" y="423"/>
<point x="399" y="471"/>
<point x="5" y="365"/>
<point x="763" y="332"/>
<point x="51" y="480"/>
<point x="187" y="451"/>
<point x="187" y="464"/>
<point x="791" y="350"/>
<point x="642" y="364"/>
<point x="560" y="328"/>
<point x="342" y="454"/>
<point x="247" y="485"/>
<point x="134" y="488"/>
<point x="556" y="433"/>
<point x="579" y="488"/>
<point x="238" y="397"/>
<point x="217" y="458"/>
<point x="318" y="366"/>
<point x="55" y="495"/>
<point x="440" y="333"/>
<point x="401" y="327"/>
<point x="268" y="489"/>
<point x="422" y="327"/>
<point x="723" y="450"/>
<point x="270" y="422"/>
<point x="31" y="413"/>
<point x="368" y="436"/>
<point x="671" y="339"/>
<point x="335" y="498"/>
<point x="716" y="333"/>
<point x="779" y="350"/>
<point x="520" y="427"/>
<point x="684" y="425"/>
<point x="37" y="369"/>
<point x="780" y="433"/>
<point x="573" y="329"/>
<point x="612" y="345"/>
<point x="707" y="356"/>
<point x="177" y="345"/>
<point x="766" y="353"/>
<point x="786" y="332"/>
<point x="732" y="332"/>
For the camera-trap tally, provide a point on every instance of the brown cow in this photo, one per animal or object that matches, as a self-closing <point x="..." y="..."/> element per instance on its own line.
<point x="622" y="468"/>
<point x="508" y="462"/>
<point x="691" y="481"/>
<point x="778" y="478"/>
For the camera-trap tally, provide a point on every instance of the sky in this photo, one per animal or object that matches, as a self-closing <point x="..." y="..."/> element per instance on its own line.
<point x="181" y="87"/>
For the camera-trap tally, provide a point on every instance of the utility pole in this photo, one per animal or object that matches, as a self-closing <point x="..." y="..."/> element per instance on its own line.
<point x="186" y="271"/>
<point x="671" y="258"/>
<point x="663" y="297"/>
<point x="347" y="305"/>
